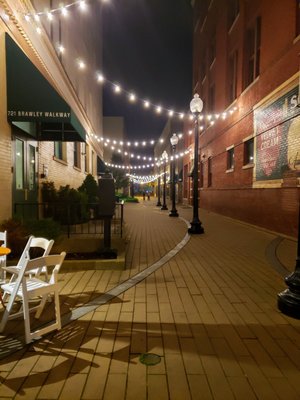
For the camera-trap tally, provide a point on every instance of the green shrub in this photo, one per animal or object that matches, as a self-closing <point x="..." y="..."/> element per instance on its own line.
<point x="17" y="235"/>
<point x="47" y="228"/>
<point x="18" y="232"/>
<point x="128" y="199"/>
<point x="71" y="207"/>
<point x="90" y="188"/>
<point x="48" y="191"/>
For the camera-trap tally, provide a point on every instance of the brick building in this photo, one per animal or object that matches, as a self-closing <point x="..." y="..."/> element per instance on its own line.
<point x="51" y="106"/>
<point x="246" y="59"/>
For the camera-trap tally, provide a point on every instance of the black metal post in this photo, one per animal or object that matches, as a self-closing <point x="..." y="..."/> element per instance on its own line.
<point x="158" y="189"/>
<point x="173" y="212"/>
<point x="196" y="227"/>
<point x="132" y="188"/>
<point x="164" y="206"/>
<point x="289" y="300"/>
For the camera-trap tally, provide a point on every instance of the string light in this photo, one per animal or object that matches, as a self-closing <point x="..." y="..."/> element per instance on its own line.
<point x="100" y="78"/>
<point x="132" y="97"/>
<point x="142" y="143"/>
<point x="158" y="162"/>
<point x="144" y="179"/>
<point x="61" y="49"/>
<point x="144" y="166"/>
<point x="81" y="64"/>
<point x="63" y="10"/>
<point x="82" y="5"/>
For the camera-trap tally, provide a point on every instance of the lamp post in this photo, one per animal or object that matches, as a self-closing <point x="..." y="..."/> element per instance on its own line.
<point x="196" y="106"/>
<point x="132" y="187"/>
<point x="289" y="300"/>
<point x="164" y="157"/>
<point x="158" y="187"/>
<point x="174" y="141"/>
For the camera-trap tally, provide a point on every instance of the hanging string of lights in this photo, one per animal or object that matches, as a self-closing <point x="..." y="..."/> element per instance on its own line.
<point x="158" y="162"/>
<point x="144" y="179"/>
<point x="147" y="104"/>
<point x="63" y="11"/>
<point x="208" y="119"/>
<point x="113" y="143"/>
<point x="129" y="167"/>
<point x="122" y="143"/>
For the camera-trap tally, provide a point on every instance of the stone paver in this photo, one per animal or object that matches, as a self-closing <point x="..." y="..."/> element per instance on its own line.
<point x="209" y="312"/>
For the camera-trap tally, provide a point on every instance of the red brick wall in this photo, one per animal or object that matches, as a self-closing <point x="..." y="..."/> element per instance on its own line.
<point x="242" y="193"/>
<point x="269" y="208"/>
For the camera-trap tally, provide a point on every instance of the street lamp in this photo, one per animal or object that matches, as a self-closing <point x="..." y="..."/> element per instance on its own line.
<point x="174" y="141"/>
<point x="289" y="300"/>
<point x="164" y="156"/>
<point x="158" y="186"/>
<point x="196" y="106"/>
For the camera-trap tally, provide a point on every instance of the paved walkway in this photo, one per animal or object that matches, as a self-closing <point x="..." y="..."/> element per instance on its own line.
<point x="207" y="309"/>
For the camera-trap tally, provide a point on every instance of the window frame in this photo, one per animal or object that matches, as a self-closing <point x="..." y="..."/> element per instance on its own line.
<point x="248" y="144"/>
<point x="212" y="97"/>
<point x="212" y="47"/>
<point x="230" y="159"/>
<point x="297" y="27"/>
<point x="252" y="52"/>
<point x="77" y="155"/>
<point x="232" y="76"/>
<point x="209" y="171"/>
<point x="233" y="12"/>
<point x="201" y="175"/>
<point x="87" y="159"/>
<point x="60" y="153"/>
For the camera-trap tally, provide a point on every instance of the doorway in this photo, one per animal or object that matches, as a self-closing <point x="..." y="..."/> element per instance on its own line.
<point x="25" y="185"/>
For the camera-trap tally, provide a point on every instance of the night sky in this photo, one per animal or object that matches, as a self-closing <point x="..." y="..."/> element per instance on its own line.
<point x="148" y="50"/>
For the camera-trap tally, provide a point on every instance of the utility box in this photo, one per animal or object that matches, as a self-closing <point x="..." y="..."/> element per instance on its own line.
<point x="106" y="195"/>
<point x="107" y="202"/>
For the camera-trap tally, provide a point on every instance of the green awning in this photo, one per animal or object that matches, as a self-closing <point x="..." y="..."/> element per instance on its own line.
<point x="31" y="98"/>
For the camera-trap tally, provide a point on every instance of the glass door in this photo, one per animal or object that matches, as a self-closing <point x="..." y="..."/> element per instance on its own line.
<point x="25" y="193"/>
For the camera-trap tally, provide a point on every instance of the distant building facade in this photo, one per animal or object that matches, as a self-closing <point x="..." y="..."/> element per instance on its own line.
<point x="246" y="58"/>
<point x="51" y="107"/>
<point x="113" y="127"/>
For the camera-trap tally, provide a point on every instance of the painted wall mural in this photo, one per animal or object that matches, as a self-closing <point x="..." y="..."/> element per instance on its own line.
<point x="277" y="136"/>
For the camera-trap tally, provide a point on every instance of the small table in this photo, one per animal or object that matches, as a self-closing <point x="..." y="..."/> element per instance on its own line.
<point x="3" y="252"/>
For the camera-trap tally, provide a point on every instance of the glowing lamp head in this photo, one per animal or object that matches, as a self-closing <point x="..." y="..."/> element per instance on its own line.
<point x="174" y="139"/>
<point x="164" y="155"/>
<point x="196" y="105"/>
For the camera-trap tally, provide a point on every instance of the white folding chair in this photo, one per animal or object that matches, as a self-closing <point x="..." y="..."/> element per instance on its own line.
<point x="3" y="240"/>
<point x="26" y="287"/>
<point x="33" y="242"/>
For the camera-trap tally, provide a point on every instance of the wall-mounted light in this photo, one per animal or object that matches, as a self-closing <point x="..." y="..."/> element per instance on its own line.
<point x="44" y="174"/>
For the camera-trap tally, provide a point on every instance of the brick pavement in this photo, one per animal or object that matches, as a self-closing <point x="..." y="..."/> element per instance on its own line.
<point x="209" y="312"/>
